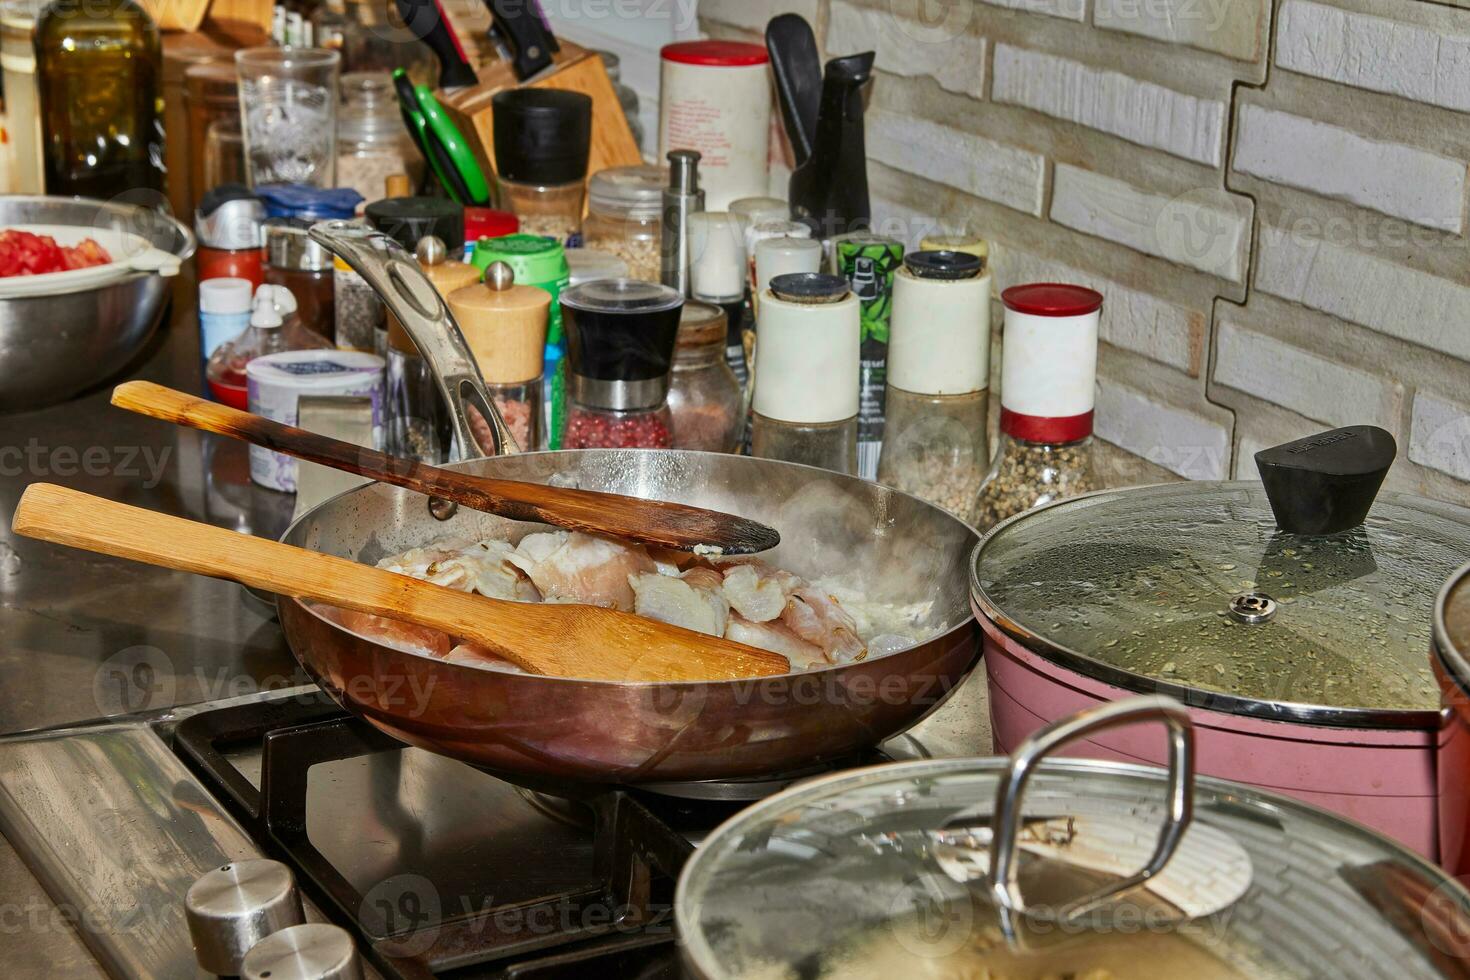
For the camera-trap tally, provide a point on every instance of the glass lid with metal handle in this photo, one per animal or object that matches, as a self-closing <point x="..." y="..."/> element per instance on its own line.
<point x="1304" y="598"/>
<point x="1103" y="870"/>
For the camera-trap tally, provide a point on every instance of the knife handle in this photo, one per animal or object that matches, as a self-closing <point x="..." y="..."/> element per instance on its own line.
<point x="425" y="18"/>
<point x="522" y="30"/>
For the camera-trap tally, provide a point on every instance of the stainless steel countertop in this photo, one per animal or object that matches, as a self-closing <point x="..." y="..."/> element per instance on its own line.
<point x="83" y="636"/>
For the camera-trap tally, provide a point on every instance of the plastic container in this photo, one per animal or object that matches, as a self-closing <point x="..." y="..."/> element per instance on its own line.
<point x="486" y="223"/>
<point x="706" y="401"/>
<point x="372" y="143"/>
<point x="278" y="382"/>
<point x="542" y="141"/>
<point x="806" y="395"/>
<point x="273" y="328"/>
<point x="504" y="325"/>
<point x="935" y="444"/>
<point x="715" y="97"/>
<point x="1046" y="401"/>
<point x="624" y="215"/>
<point x="620" y="344"/>
<point x="224" y="312"/>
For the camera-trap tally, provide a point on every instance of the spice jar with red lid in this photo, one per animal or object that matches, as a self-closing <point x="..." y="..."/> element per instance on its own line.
<point x="1047" y="382"/>
<point x="620" y="337"/>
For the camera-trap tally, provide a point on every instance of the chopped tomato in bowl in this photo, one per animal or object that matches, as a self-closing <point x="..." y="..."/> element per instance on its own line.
<point x="24" y="253"/>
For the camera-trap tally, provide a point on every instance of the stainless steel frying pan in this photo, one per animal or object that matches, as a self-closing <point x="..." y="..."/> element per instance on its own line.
<point x="893" y="547"/>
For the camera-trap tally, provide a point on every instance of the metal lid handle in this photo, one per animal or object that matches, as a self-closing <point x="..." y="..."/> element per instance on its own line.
<point x="397" y="279"/>
<point x="1007" y="822"/>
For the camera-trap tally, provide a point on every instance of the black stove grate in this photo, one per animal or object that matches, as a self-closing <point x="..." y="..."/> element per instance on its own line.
<point x="620" y="927"/>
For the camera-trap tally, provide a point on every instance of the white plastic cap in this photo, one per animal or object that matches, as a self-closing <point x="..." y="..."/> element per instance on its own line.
<point x="778" y="256"/>
<point x="939" y="337"/>
<point x="226" y="294"/>
<point x="806" y="359"/>
<point x="272" y="304"/>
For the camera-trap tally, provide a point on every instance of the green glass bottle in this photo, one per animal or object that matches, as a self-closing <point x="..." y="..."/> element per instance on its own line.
<point x="99" y="72"/>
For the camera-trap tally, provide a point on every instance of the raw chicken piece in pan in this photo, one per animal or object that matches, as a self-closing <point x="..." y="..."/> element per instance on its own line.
<point x="757" y="591"/>
<point x="817" y="618"/>
<point x="775" y="637"/>
<point x="391" y="632"/>
<point x="470" y="566"/>
<point x="576" y="567"/>
<point x="693" y="600"/>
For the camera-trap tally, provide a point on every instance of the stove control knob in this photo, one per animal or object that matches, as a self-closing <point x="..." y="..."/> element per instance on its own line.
<point x="235" y="906"/>
<point x="316" y="951"/>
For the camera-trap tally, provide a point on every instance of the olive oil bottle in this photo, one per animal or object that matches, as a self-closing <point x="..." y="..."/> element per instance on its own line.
<point x="98" y="68"/>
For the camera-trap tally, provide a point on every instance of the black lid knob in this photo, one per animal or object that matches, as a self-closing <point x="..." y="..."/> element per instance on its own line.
<point x="542" y="135"/>
<point x="1326" y="483"/>
<point x="943" y="264"/>
<point x="620" y="329"/>
<point x="408" y="219"/>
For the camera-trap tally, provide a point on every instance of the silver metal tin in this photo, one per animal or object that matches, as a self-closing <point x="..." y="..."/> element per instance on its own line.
<point x="618" y="396"/>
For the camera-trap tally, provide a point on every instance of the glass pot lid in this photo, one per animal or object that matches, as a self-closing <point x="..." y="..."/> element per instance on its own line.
<point x="854" y="876"/>
<point x="1452" y="631"/>
<point x="1195" y="589"/>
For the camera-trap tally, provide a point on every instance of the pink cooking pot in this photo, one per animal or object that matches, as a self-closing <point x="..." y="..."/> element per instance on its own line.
<point x="1291" y="616"/>
<point x="1452" y="670"/>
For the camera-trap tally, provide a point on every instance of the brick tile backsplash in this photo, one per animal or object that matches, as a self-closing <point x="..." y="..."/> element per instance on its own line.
<point x="1271" y="195"/>
<point x="1111" y="102"/>
<point x="1403" y="181"/>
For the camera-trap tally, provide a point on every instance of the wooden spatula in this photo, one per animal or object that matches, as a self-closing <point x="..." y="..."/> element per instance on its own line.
<point x="543" y="638"/>
<point x="659" y="522"/>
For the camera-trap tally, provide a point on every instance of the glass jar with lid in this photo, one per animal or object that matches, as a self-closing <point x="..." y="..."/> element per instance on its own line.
<point x="620" y="343"/>
<point x="1048" y="374"/>
<point x="705" y="398"/>
<point x="935" y="444"/>
<point x="806" y="394"/>
<point x="372" y="143"/>
<point x="543" y="138"/>
<point x="624" y="216"/>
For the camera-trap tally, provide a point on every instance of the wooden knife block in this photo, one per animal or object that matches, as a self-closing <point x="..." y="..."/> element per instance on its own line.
<point x="574" y="69"/>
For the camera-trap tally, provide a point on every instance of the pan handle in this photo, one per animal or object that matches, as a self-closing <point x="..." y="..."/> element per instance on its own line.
<point x="395" y="276"/>
<point x="1007" y="821"/>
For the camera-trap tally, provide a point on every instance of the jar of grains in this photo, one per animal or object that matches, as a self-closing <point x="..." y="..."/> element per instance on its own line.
<point x="372" y="143"/>
<point x="1046" y="401"/>
<point x="542" y="140"/>
<point x="620" y="343"/>
<point x="624" y="211"/>
<point x="935" y="444"/>
<point x="705" y="399"/>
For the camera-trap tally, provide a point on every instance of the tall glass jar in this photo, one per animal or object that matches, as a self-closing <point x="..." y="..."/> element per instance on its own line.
<point x="935" y="444"/>
<point x="1046" y="401"/>
<point x="99" y="76"/>
<point x="705" y="399"/>
<point x="372" y="143"/>
<point x="624" y="213"/>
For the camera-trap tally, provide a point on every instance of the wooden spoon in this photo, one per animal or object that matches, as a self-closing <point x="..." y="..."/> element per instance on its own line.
<point x="659" y="522"/>
<point x="544" y="638"/>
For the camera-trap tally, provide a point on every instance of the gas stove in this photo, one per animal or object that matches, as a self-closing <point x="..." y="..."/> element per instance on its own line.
<point x="437" y="868"/>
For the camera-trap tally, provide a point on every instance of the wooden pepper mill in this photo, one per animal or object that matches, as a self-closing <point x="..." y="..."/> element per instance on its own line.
<point x="505" y="327"/>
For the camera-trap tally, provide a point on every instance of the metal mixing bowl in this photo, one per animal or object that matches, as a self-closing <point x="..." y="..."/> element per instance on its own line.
<point x="56" y="345"/>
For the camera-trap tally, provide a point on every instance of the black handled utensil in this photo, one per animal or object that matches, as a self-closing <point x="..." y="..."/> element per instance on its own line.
<point x="519" y="25"/>
<point x="427" y="21"/>
<point x="798" y="71"/>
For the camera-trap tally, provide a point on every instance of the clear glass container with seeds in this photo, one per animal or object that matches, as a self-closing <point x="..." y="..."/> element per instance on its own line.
<point x="935" y="445"/>
<point x="1046" y="402"/>
<point x="624" y="215"/>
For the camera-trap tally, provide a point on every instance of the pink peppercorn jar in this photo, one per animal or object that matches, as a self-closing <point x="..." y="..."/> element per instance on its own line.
<point x="620" y="344"/>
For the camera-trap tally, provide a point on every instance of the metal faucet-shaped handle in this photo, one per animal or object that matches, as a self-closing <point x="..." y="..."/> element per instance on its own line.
<point x="395" y="276"/>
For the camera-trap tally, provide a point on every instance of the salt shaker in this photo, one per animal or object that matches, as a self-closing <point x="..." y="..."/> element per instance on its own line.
<point x="1046" y="401"/>
<point x="806" y="401"/>
<point x="504" y="325"/>
<point x="935" y="444"/>
<point x="717" y="275"/>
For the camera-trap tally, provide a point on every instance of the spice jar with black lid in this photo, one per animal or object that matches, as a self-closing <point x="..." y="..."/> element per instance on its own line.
<point x="1046" y="401"/>
<point x="705" y="398"/>
<point x="620" y="337"/>
<point x="935" y="444"/>
<point x="543" y="139"/>
<point x="806" y="393"/>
